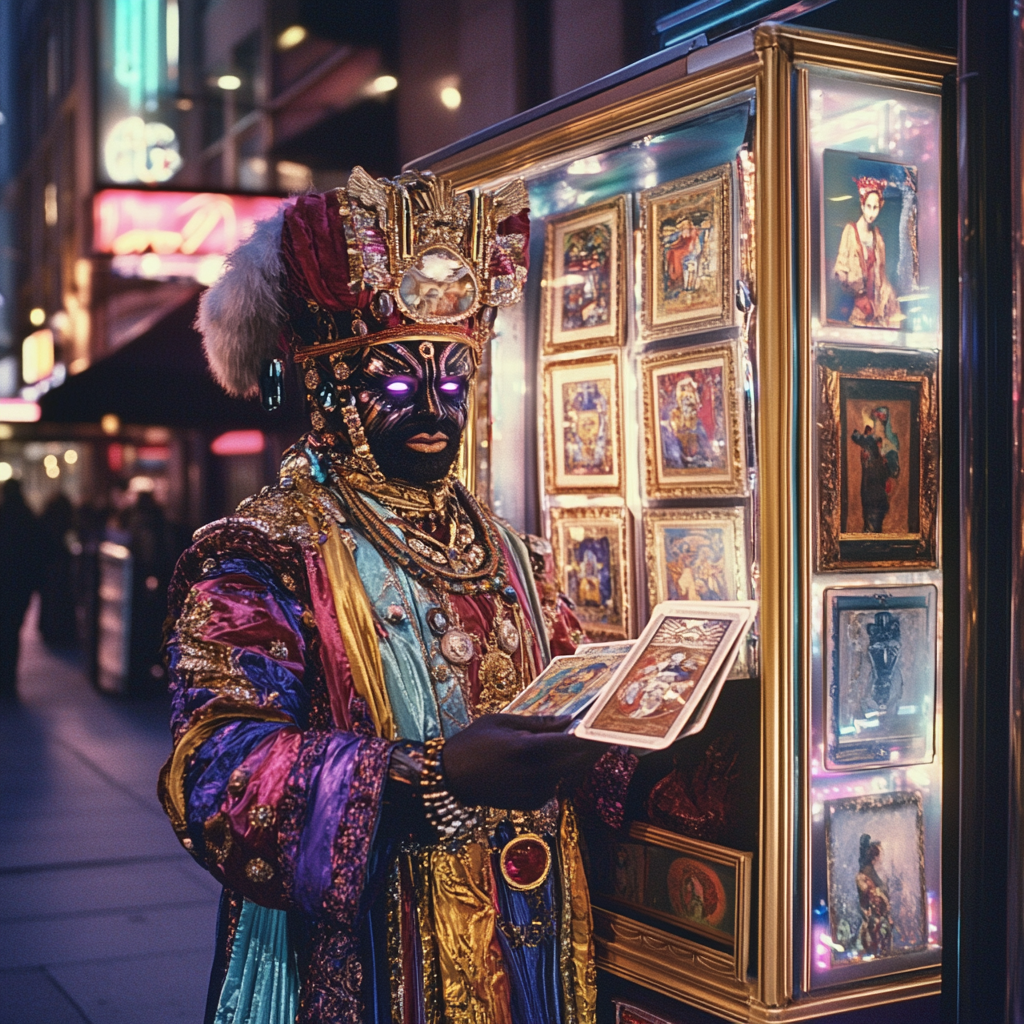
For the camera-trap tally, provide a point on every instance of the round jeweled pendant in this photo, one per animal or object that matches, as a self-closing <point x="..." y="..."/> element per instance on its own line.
<point x="458" y="647"/>
<point x="437" y="621"/>
<point x="508" y="636"/>
<point x="438" y="287"/>
<point x="525" y="862"/>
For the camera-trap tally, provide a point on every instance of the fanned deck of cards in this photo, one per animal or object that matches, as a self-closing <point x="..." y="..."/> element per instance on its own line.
<point x="650" y="691"/>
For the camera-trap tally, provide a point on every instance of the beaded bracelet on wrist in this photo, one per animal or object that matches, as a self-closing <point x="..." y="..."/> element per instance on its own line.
<point x="449" y="818"/>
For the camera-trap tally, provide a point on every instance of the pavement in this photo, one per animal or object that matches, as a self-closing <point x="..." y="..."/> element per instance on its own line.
<point x="104" y="918"/>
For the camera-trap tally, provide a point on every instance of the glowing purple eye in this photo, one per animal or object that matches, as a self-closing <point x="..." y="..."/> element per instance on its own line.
<point x="451" y="386"/>
<point x="398" y="387"/>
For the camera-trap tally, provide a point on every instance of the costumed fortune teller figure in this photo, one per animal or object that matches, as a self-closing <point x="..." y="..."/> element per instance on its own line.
<point x="391" y="849"/>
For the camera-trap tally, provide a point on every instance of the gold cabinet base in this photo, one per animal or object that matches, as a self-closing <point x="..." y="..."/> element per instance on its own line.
<point x="705" y="979"/>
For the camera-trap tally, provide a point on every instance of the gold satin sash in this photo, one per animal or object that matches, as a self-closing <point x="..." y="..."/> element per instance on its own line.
<point x="355" y="622"/>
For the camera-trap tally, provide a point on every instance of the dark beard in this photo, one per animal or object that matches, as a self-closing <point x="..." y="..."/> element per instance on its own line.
<point x="400" y="463"/>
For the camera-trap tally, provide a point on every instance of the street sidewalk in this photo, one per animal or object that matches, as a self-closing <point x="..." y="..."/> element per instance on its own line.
<point x="103" y="917"/>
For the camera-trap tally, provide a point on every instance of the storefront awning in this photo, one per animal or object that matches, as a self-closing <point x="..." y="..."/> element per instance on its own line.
<point x="160" y="378"/>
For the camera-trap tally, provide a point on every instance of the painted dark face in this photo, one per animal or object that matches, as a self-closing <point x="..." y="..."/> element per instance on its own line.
<point x="413" y="399"/>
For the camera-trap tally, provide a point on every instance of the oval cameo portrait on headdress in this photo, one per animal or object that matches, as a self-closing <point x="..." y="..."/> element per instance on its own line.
<point x="439" y="287"/>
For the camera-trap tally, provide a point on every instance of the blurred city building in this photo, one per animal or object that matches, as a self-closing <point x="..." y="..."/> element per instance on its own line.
<point x="139" y="142"/>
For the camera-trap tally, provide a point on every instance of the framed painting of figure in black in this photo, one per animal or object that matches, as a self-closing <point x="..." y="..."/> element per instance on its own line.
<point x="878" y="455"/>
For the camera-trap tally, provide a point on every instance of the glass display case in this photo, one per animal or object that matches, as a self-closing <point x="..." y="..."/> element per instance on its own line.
<point x="724" y="385"/>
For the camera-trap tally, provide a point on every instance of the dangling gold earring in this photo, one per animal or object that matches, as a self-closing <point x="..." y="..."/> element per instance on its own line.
<point x="361" y="460"/>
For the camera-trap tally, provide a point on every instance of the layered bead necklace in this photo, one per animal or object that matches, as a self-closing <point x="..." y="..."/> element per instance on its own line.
<point x="465" y="559"/>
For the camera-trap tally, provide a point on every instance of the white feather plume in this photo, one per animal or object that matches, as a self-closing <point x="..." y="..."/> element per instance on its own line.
<point x="240" y="315"/>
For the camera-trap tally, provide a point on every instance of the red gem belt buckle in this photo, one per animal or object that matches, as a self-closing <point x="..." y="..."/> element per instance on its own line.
<point x="525" y="862"/>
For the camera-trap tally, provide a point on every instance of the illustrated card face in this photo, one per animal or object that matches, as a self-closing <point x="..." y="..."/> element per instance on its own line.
<point x="660" y="683"/>
<point x="569" y="684"/>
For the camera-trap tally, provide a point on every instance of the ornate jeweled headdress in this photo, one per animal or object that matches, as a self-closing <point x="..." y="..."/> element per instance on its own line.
<point x="377" y="261"/>
<point x="865" y="186"/>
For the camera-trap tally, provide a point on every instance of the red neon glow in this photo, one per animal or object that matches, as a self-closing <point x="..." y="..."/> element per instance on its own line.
<point x="239" y="442"/>
<point x="115" y="457"/>
<point x="19" y="410"/>
<point x="129" y="221"/>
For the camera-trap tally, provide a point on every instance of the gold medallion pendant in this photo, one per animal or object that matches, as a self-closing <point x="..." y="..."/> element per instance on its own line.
<point x="458" y="647"/>
<point x="498" y="680"/>
<point x="508" y="636"/>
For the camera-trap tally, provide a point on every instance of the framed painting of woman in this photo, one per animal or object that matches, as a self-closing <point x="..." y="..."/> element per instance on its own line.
<point x="693" y="423"/>
<point x="584" y="287"/>
<point x="687" y="265"/>
<point x="872" y="263"/>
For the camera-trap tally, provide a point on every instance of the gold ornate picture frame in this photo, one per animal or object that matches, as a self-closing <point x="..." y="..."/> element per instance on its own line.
<point x="583" y="426"/>
<point x="878" y="459"/>
<point x="698" y="554"/>
<point x="687" y="264"/>
<point x="585" y="275"/>
<point x="594" y="567"/>
<point x="693" y="423"/>
<point x="699" y="888"/>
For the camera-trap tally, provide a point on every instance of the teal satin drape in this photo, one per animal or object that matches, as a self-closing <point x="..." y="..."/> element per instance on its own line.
<point x="262" y="983"/>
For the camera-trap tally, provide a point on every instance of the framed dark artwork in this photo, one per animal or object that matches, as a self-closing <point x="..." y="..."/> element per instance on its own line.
<point x="880" y="673"/>
<point x="877" y="900"/>
<point x="693" y="439"/>
<point x="592" y="560"/>
<point x="687" y="227"/>
<point x="585" y="272"/>
<point x="872" y="264"/>
<point x="583" y="435"/>
<point x="878" y="458"/>
<point x="698" y="887"/>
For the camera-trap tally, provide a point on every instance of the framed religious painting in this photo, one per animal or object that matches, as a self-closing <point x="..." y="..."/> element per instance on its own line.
<point x="878" y="458"/>
<point x="583" y="435"/>
<point x="877" y="899"/>
<point x="880" y="672"/>
<point x="697" y="554"/>
<point x="687" y="264"/>
<point x="693" y="436"/>
<point x="585" y="272"/>
<point x="594" y="568"/>
<point x="872" y="264"/>
<point x="688" y="884"/>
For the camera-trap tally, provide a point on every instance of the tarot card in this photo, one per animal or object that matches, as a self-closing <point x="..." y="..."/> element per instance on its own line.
<point x="660" y="684"/>
<point x="608" y="647"/>
<point x="569" y="684"/>
<point x="700" y="716"/>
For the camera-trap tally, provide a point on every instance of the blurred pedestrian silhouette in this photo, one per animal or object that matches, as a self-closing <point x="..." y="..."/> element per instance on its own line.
<point x="151" y="539"/>
<point x="20" y="564"/>
<point x="56" y="586"/>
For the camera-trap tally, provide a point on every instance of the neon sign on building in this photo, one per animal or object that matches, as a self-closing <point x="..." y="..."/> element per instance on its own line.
<point x="174" y="234"/>
<point x="138" y="70"/>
